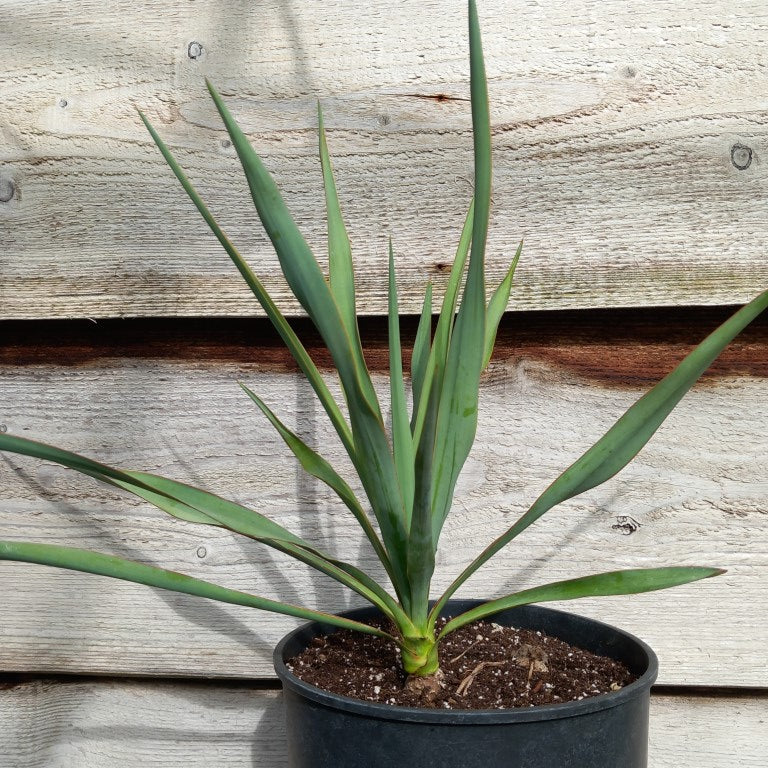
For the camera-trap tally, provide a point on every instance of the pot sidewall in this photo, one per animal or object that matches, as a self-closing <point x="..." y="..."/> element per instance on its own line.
<point x="328" y="730"/>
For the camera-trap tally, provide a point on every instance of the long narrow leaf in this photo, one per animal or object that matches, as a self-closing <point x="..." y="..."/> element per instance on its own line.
<point x="496" y="307"/>
<point x="341" y="270"/>
<point x="187" y="502"/>
<point x="117" y="568"/>
<point x="122" y="478"/>
<point x="345" y="574"/>
<point x="281" y="325"/>
<point x="457" y="416"/>
<point x="438" y="352"/>
<point x="368" y="448"/>
<point x="422" y="541"/>
<point x="445" y="321"/>
<point x="249" y="523"/>
<point x="384" y="601"/>
<point x="628" y="582"/>
<point x="298" y="263"/>
<point x="208" y="504"/>
<point x="373" y="456"/>
<point x="453" y="392"/>
<point x="421" y="350"/>
<point x="402" y="443"/>
<point x="624" y="440"/>
<point x="318" y="467"/>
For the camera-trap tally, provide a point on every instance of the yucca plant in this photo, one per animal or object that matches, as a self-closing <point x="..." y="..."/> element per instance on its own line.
<point x="408" y="472"/>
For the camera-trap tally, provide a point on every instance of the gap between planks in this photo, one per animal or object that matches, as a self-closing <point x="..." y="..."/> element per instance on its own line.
<point x="11" y="680"/>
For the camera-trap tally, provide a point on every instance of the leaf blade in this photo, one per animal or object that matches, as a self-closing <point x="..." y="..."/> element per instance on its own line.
<point x="438" y="352"/>
<point x="97" y="563"/>
<point x="279" y="322"/>
<point x="366" y="443"/>
<point x="496" y="307"/>
<point x="457" y="416"/>
<point x="167" y="495"/>
<point x="624" y="582"/>
<point x="402" y="442"/>
<point x="319" y="467"/>
<point x="299" y="265"/>
<point x="340" y="265"/>
<point x="624" y="440"/>
<point x="453" y="372"/>
<point x="420" y="354"/>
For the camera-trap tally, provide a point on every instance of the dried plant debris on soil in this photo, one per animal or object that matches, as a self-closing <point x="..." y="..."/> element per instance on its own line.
<point x="485" y="666"/>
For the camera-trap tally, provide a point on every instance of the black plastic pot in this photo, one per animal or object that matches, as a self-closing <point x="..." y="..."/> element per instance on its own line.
<point x="611" y="731"/>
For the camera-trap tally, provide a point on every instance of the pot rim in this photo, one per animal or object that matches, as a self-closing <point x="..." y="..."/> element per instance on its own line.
<point x="381" y="711"/>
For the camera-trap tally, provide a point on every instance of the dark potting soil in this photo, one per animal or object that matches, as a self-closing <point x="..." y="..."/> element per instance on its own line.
<point x="485" y="666"/>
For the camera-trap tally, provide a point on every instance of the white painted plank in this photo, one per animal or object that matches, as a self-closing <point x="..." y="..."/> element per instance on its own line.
<point x="614" y="125"/>
<point x="47" y="724"/>
<point x="696" y="495"/>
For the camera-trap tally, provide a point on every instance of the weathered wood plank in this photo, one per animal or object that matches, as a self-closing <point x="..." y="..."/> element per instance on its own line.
<point x="614" y="131"/>
<point x="49" y="724"/>
<point x="697" y="494"/>
<point x="706" y="731"/>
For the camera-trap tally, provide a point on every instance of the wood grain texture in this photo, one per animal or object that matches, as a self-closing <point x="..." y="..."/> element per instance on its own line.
<point x="49" y="724"/>
<point x="617" y="129"/>
<point x="695" y="495"/>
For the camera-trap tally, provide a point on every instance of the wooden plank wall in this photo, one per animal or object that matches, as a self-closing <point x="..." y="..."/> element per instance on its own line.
<point x="628" y="146"/>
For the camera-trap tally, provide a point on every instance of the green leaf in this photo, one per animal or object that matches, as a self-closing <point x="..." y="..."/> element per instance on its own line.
<point x="628" y="582"/>
<point x="341" y="269"/>
<point x="187" y="502"/>
<point x="422" y="539"/>
<point x="421" y="544"/>
<point x="373" y="457"/>
<point x="318" y="467"/>
<point x="457" y="415"/>
<point x="345" y="574"/>
<point x="117" y="568"/>
<point x="435" y="365"/>
<point x="448" y="309"/>
<point x="624" y="440"/>
<point x="421" y="350"/>
<point x="447" y="418"/>
<point x="367" y="443"/>
<point x="299" y="265"/>
<point x="140" y="486"/>
<point x="496" y="307"/>
<point x="378" y="475"/>
<point x="401" y="430"/>
<point x="281" y="325"/>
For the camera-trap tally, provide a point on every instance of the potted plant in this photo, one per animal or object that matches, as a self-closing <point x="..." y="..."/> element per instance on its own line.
<point x="408" y="474"/>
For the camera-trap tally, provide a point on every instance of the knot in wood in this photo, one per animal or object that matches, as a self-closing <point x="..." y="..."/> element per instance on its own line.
<point x="741" y="156"/>
<point x="7" y="190"/>
<point x="195" y="50"/>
